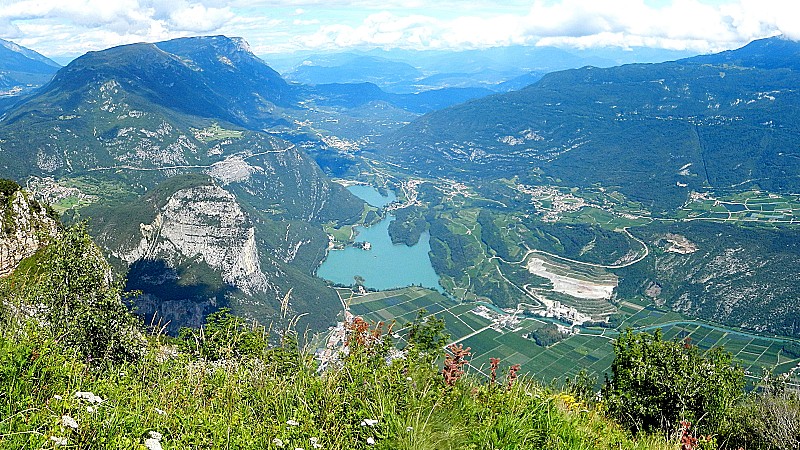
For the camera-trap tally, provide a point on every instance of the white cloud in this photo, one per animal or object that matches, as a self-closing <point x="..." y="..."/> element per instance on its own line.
<point x="97" y="24"/>
<point x="198" y="18"/>
<point x="682" y="24"/>
<point x="58" y="27"/>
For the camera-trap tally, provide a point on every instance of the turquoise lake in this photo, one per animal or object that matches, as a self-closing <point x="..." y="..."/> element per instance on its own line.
<point x="385" y="265"/>
<point x="371" y="195"/>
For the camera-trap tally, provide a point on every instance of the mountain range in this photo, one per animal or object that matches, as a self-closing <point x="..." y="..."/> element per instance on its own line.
<point x="494" y="68"/>
<point x="658" y="131"/>
<point x="21" y="71"/>
<point x="199" y="168"/>
<point x="662" y="139"/>
<point x="116" y="127"/>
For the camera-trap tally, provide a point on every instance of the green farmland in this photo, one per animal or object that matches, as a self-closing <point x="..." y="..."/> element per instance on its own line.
<point x="591" y="349"/>
<point x="752" y="206"/>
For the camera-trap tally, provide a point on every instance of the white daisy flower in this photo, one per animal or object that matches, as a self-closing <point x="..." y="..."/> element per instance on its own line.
<point x="89" y="397"/>
<point x="369" y="422"/>
<point x="152" y="444"/>
<point x="69" y="422"/>
<point x="59" y="440"/>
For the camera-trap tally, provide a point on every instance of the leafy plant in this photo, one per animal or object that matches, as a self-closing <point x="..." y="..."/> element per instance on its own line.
<point x="83" y="304"/>
<point x="656" y="383"/>
<point x="426" y="336"/>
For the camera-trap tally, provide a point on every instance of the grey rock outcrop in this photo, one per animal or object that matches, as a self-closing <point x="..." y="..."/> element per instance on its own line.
<point x="26" y="228"/>
<point x="204" y="222"/>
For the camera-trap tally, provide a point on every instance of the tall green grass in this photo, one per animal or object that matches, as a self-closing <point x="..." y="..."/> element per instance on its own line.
<point x="276" y="397"/>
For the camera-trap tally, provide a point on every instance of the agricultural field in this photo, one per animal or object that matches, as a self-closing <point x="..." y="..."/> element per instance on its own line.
<point x="401" y="306"/>
<point x="590" y="349"/>
<point x="746" y="207"/>
<point x="215" y="133"/>
<point x="589" y="254"/>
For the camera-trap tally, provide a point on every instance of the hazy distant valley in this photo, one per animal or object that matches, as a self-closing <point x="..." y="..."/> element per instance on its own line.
<point x="596" y="199"/>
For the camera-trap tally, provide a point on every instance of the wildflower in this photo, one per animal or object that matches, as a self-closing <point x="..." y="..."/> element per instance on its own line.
<point x="160" y="412"/>
<point x="495" y="363"/>
<point x="369" y="422"/>
<point x="89" y="397"/>
<point x="453" y="363"/>
<point x="292" y="422"/>
<point x="58" y="397"/>
<point x="409" y="429"/>
<point x="68" y="421"/>
<point x="688" y="442"/>
<point x="154" y="441"/>
<point x="371" y="440"/>
<point x="277" y="442"/>
<point x="315" y="442"/>
<point x="409" y="379"/>
<point x="90" y="409"/>
<point x="152" y="444"/>
<point x="59" y="440"/>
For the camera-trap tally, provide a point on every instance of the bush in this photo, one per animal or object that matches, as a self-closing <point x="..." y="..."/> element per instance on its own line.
<point x="769" y="418"/>
<point x="656" y="383"/>
<point x="426" y="337"/>
<point x="82" y="303"/>
<point x="8" y="187"/>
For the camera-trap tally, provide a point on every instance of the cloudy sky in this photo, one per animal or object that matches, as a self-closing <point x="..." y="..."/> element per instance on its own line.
<point x="68" y="28"/>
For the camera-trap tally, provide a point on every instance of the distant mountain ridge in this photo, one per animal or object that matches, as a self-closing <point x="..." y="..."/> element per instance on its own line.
<point x="21" y="71"/>
<point x="770" y="53"/>
<point x="638" y="126"/>
<point x="21" y="59"/>
<point x="410" y="71"/>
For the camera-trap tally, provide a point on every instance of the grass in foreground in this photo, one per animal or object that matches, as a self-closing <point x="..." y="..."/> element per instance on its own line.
<point x="276" y="400"/>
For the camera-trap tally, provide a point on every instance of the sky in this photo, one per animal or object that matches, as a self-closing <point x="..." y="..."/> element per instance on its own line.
<point x="63" y="29"/>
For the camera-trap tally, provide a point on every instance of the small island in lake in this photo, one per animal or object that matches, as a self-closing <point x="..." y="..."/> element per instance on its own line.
<point x="365" y="245"/>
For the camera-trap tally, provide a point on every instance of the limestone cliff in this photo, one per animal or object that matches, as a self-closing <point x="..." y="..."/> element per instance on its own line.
<point x="204" y="222"/>
<point x="26" y="228"/>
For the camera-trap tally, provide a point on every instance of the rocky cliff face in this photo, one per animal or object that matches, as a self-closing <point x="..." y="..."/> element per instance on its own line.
<point x="26" y="228"/>
<point x="204" y="222"/>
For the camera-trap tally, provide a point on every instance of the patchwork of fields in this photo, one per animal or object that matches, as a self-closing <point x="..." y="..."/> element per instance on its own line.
<point x="591" y="349"/>
<point x="750" y="206"/>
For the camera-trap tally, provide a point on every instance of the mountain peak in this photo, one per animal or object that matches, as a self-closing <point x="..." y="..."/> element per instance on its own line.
<point x="29" y="54"/>
<point x="777" y="52"/>
<point x="201" y="44"/>
<point x="208" y="76"/>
